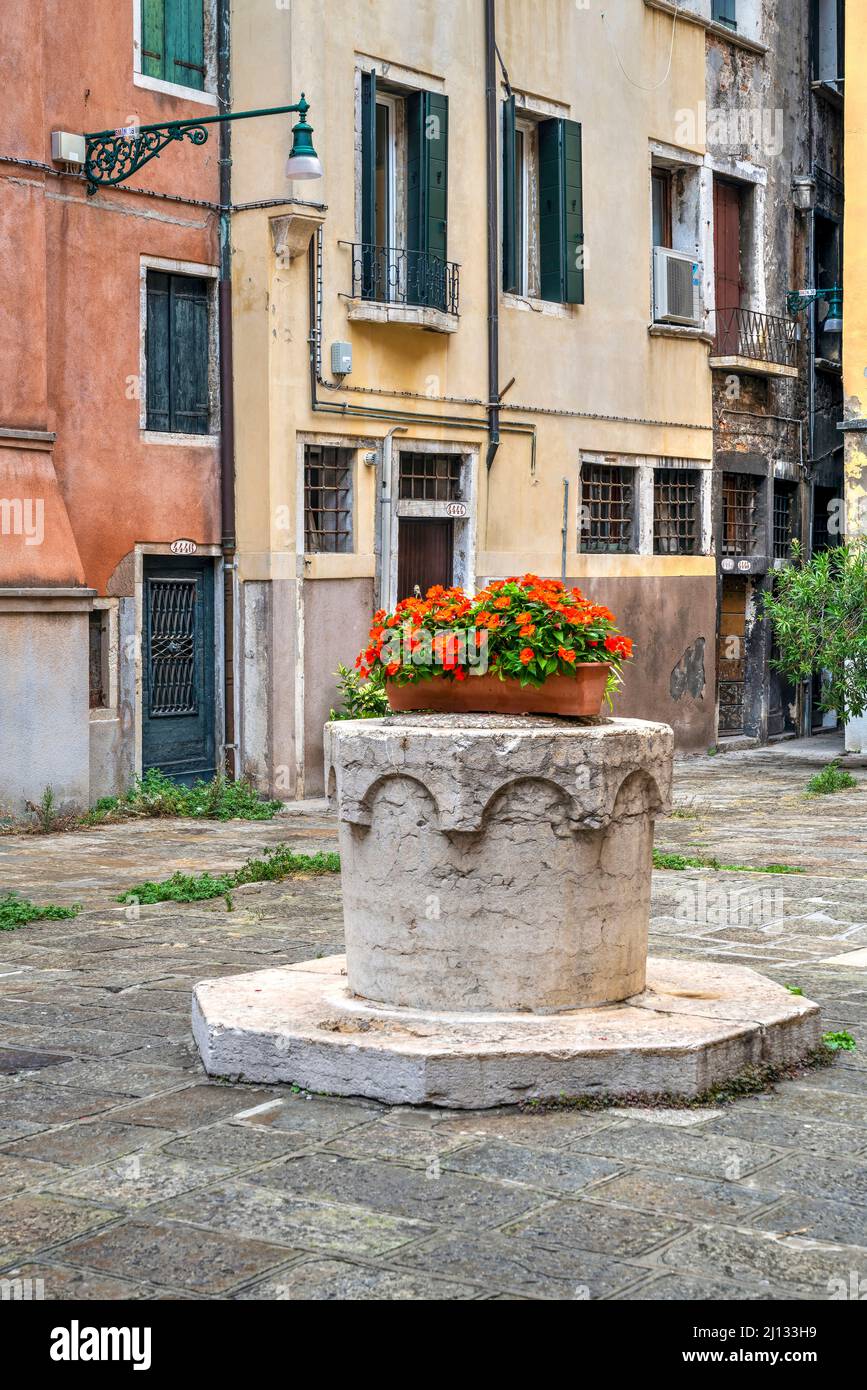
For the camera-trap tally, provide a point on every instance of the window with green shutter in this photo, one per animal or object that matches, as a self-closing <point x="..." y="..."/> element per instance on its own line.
<point x="561" y="212"/>
<point x="511" y="220"/>
<point x="173" y="41"/>
<point x="725" y="12"/>
<point x="427" y="128"/>
<point x="176" y="349"/>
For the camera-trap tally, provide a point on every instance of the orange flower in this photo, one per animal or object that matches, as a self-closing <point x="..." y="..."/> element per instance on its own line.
<point x="392" y="668"/>
<point x="566" y="654"/>
<point x="523" y="617"/>
<point x="527" y="630"/>
<point x="527" y="655"/>
<point x="503" y="602"/>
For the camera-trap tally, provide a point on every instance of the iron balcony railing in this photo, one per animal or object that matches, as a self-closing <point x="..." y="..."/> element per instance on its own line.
<point x="394" y="275"/>
<point x="760" y="337"/>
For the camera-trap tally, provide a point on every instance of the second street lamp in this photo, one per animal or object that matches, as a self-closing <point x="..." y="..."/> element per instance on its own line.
<point x="113" y="156"/>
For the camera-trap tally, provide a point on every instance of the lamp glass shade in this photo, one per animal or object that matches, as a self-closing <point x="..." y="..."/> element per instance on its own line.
<point x="303" y="166"/>
<point x="303" y="161"/>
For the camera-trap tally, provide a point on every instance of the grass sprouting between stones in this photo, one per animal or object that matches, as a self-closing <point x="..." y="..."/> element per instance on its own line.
<point x="832" y="778"/>
<point x="662" y="860"/>
<point x="16" y="911"/>
<point x="274" y="864"/>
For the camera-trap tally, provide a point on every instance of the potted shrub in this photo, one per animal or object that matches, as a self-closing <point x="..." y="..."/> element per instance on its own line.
<point x="519" y="646"/>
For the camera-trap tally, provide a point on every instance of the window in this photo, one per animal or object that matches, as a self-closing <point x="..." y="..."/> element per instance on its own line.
<point x="178" y="353"/>
<point x="404" y="143"/>
<point x="725" y="12"/>
<point x="543" y="216"/>
<point x="430" y="477"/>
<point x="660" y="185"/>
<point x="740" y="520"/>
<point x="676" y="525"/>
<point x="785" y="514"/>
<point x="607" y="508"/>
<point x="827" y="276"/>
<point x="826" y="26"/>
<point x="327" y="500"/>
<point x="98" y="657"/>
<point x="173" y="41"/>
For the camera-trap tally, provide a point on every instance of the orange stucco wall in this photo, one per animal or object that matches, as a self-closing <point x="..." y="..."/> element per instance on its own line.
<point x="70" y="310"/>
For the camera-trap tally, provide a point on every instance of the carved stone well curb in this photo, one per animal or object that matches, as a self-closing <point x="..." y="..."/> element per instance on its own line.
<point x="496" y="876"/>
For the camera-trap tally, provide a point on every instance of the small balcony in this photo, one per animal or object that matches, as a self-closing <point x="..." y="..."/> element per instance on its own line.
<point x="393" y="285"/>
<point x="747" y="341"/>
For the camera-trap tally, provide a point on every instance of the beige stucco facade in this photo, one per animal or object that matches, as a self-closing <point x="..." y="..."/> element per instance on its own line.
<point x="580" y="381"/>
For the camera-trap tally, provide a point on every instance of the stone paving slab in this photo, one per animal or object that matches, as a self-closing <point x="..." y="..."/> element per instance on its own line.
<point x="125" y="1173"/>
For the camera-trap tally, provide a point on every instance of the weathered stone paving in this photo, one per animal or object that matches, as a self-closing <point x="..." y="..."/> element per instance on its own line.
<point x="125" y="1173"/>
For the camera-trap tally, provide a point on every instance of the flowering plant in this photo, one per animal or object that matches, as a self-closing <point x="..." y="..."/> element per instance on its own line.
<point x="527" y="629"/>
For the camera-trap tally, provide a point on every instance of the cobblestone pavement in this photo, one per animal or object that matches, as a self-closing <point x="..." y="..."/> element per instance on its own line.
<point x="125" y="1173"/>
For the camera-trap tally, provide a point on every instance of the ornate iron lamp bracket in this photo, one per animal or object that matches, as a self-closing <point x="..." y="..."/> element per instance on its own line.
<point x="112" y="156"/>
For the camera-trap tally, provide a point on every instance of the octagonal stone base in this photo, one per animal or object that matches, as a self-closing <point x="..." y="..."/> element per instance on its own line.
<point x="694" y="1025"/>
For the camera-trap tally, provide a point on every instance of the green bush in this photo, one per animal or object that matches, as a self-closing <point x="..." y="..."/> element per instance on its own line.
<point x="16" y="911"/>
<point x="275" y="864"/>
<point x="832" y="778"/>
<point x="157" y="795"/>
<point x="361" y="699"/>
<point x="818" y="609"/>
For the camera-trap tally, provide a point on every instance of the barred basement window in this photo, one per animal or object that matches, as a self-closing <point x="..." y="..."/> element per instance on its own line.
<point x="675" y="512"/>
<point x="739" y="514"/>
<point x="785" y="497"/>
<point x="327" y="500"/>
<point x="430" y="477"/>
<point x="607" y="508"/>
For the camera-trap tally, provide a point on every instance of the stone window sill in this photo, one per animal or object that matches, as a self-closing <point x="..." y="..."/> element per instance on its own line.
<point x="174" y="89"/>
<point x="190" y="441"/>
<point x="528" y="304"/>
<point x="679" y="330"/>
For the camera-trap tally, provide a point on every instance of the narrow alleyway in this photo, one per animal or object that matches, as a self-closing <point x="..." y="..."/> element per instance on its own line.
<point x="124" y="1172"/>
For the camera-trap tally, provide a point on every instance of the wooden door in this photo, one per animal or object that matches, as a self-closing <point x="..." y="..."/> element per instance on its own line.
<point x="424" y="554"/>
<point x="728" y="286"/>
<point x="731" y="655"/>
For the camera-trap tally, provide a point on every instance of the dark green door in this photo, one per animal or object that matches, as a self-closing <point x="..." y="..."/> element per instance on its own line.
<point x="178" y="668"/>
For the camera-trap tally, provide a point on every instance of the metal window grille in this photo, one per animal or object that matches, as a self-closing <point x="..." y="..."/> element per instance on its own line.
<point x="785" y="496"/>
<point x="676" y="529"/>
<point x="430" y="477"/>
<point x="607" y="508"/>
<point x="172" y="609"/>
<point x="327" y="500"/>
<point x="739" y="514"/>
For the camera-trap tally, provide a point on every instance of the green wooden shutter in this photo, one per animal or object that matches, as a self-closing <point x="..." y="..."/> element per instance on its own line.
<point x="368" y="183"/>
<point x="153" y="38"/>
<point x="427" y="123"/>
<point x="511" y="237"/>
<point x="561" y="214"/>
<point x="725" y="12"/>
<point x="189" y="354"/>
<point x="157" y="351"/>
<point x="185" y="42"/>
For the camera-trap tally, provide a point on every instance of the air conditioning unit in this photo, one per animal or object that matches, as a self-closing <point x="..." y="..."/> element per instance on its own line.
<point x="676" y="287"/>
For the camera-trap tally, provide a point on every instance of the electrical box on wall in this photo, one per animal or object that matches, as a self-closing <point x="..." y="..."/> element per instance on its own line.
<point x="67" y="148"/>
<point x="341" y="358"/>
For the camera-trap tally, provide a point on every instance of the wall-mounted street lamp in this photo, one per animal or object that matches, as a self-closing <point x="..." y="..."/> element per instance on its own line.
<point x="828" y="335"/>
<point x="796" y="300"/>
<point x="804" y="192"/>
<point x="113" y="156"/>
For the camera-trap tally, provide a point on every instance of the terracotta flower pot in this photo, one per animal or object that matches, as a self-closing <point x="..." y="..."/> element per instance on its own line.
<point x="581" y="694"/>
